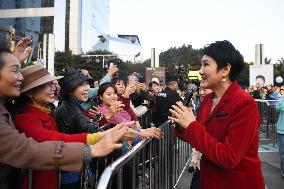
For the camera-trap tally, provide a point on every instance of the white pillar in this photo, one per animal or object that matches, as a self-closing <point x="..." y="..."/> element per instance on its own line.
<point x="48" y="52"/>
<point x="259" y="54"/>
<point x="75" y="26"/>
<point x="51" y="53"/>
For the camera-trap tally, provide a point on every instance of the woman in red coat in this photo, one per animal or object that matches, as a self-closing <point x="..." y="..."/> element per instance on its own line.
<point x="36" y="120"/>
<point x="226" y="128"/>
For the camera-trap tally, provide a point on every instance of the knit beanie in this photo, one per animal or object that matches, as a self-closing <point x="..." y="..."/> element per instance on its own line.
<point x="72" y="79"/>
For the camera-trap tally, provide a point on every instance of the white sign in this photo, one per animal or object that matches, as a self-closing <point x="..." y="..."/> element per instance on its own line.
<point x="261" y="75"/>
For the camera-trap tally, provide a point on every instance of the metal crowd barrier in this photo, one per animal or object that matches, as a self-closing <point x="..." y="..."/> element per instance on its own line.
<point x="149" y="164"/>
<point x="98" y="165"/>
<point x="269" y="117"/>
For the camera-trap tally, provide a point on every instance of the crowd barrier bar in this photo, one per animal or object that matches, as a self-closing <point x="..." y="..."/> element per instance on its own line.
<point x="153" y="163"/>
<point x="269" y="117"/>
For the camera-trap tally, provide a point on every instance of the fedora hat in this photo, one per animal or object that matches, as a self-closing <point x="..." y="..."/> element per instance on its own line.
<point x="35" y="76"/>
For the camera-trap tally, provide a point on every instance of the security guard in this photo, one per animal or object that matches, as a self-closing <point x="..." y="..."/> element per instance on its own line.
<point x="165" y="99"/>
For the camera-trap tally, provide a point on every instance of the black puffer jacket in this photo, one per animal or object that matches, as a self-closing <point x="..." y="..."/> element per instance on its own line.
<point x="70" y="119"/>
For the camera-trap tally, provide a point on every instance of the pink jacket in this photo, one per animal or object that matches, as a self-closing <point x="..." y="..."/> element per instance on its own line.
<point x="121" y="116"/>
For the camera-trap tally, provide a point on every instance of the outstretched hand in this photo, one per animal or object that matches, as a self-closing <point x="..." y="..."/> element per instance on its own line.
<point x="182" y="115"/>
<point x="152" y="132"/>
<point x="23" y="49"/>
<point x="109" y="142"/>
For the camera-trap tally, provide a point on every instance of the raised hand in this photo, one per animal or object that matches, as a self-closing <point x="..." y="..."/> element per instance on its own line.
<point x="130" y="89"/>
<point x="94" y="113"/>
<point x="113" y="109"/>
<point x="113" y="70"/>
<point x="109" y="142"/>
<point x="181" y="115"/>
<point x="23" y="49"/>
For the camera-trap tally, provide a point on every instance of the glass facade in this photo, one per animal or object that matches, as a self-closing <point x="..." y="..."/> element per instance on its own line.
<point x="20" y="4"/>
<point x="34" y="27"/>
<point x="95" y="22"/>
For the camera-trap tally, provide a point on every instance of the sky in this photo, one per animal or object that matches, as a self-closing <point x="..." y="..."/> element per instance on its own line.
<point x="171" y="23"/>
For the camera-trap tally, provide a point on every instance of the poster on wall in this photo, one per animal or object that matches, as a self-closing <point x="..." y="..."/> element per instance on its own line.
<point x="261" y="75"/>
<point x="157" y="73"/>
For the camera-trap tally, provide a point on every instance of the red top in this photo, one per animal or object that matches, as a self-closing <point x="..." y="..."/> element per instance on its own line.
<point x="127" y="107"/>
<point x="41" y="126"/>
<point x="228" y="139"/>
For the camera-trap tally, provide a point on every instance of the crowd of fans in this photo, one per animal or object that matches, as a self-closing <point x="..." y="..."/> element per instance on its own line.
<point x="73" y="107"/>
<point x="67" y="108"/>
<point x="269" y="92"/>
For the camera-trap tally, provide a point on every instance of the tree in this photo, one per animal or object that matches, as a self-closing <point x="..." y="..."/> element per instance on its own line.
<point x="179" y="61"/>
<point x="94" y="64"/>
<point x="279" y="68"/>
<point x="280" y="61"/>
<point x="243" y="78"/>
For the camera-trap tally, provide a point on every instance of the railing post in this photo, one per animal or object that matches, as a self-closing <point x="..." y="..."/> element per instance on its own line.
<point x="156" y="173"/>
<point x="171" y="154"/>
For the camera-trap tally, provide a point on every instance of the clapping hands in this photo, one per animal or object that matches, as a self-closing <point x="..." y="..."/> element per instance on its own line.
<point x="182" y="115"/>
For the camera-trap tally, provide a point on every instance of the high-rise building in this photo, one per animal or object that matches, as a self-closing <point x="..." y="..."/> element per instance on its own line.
<point x="83" y="21"/>
<point x="127" y="47"/>
<point x="75" y="23"/>
<point x="32" y="18"/>
<point x="259" y="54"/>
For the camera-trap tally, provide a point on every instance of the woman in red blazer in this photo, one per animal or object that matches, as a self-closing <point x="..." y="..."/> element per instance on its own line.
<point x="226" y="128"/>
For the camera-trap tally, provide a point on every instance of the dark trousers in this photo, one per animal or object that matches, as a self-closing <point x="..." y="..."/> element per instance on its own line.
<point x="195" y="182"/>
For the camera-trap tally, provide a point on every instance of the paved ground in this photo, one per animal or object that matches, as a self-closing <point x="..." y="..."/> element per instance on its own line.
<point x="270" y="168"/>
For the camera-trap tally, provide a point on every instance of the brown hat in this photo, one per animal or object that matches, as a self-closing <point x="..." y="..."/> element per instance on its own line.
<point x="35" y="76"/>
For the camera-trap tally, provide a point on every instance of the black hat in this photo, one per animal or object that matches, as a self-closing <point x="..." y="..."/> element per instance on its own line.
<point x="171" y="78"/>
<point x="72" y="78"/>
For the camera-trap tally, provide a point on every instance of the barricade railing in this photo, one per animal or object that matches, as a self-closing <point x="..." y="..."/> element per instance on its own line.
<point x="149" y="164"/>
<point x="269" y="117"/>
<point x="98" y="165"/>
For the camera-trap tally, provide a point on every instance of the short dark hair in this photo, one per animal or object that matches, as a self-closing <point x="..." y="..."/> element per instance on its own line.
<point x="102" y="89"/>
<point x="114" y="80"/>
<point x="261" y="77"/>
<point x="224" y="53"/>
<point x="3" y="50"/>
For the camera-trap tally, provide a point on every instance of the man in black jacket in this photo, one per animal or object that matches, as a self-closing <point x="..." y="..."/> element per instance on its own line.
<point x="165" y="99"/>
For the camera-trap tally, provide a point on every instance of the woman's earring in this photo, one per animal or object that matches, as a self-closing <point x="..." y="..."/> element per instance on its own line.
<point x="223" y="80"/>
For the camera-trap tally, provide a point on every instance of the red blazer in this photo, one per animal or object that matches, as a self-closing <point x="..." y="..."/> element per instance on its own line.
<point x="228" y="139"/>
<point x="42" y="127"/>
